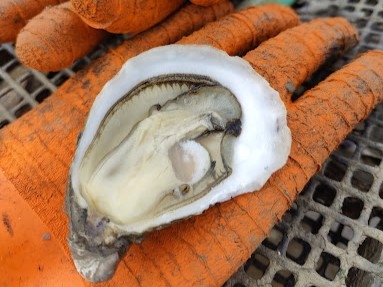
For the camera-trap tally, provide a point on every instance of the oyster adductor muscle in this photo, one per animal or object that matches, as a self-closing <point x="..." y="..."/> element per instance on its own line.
<point x="177" y="130"/>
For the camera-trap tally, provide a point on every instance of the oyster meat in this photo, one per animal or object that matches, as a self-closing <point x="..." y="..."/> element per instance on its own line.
<point x="177" y="130"/>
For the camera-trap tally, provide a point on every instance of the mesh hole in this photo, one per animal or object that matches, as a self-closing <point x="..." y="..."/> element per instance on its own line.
<point x="324" y="194"/>
<point x="352" y="207"/>
<point x="5" y="57"/>
<point x="61" y="79"/>
<point x="283" y="278"/>
<point x="377" y="26"/>
<point x="298" y="250"/>
<point x="361" y="23"/>
<point x="335" y="170"/>
<point x="353" y="1"/>
<point x="238" y="285"/>
<point x="376" y="134"/>
<point x="340" y="234"/>
<point x="358" y="278"/>
<point x="362" y="180"/>
<point x="31" y="84"/>
<point x="347" y="148"/>
<point x="332" y="10"/>
<point x="22" y="110"/>
<point x="42" y="95"/>
<point x="367" y="12"/>
<point x="274" y="239"/>
<point x="10" y="100"/>
<point x="257" y="265"/>
<point x="381" y="191"/>
<point x="376" y="218"/>
<point x="16" y="70"/>
<point x="12" y="65"/>
<point x="371" y="249"/>
<point x="372" y="2"/>
<point x="349" y="8"/>
<point x="380" y="14"/>
<point x="371" y="156"/>
<point x="372" y="38"/>
<point x="51" y="75"/>
<point x="312" y="222"/>
<point x="3" y="123"/>
<point x="328" y="266"/>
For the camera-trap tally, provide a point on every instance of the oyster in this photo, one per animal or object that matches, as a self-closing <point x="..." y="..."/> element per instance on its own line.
<point x="177" y="130"/>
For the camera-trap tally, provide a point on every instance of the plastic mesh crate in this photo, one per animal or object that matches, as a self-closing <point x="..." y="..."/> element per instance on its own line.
<point x="21" y="88"/>
<point x="333" y="234"/>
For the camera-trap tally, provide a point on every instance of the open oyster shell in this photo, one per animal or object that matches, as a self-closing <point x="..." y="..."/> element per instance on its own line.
<point x="177" y="130"/>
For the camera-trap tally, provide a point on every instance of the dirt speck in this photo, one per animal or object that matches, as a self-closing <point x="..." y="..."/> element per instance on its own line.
<point x="85" y="85"/>
<point x="46" y="236"/>
<point x="7" y="224"/>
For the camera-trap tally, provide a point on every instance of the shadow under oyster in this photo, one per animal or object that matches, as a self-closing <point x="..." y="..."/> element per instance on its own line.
<point x="177" y="130"/>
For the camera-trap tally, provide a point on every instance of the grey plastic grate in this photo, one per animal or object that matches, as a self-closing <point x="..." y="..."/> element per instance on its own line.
<point x="21" y="88"/>
<point x="333" y="234"/>
<point x="366" y="15"/>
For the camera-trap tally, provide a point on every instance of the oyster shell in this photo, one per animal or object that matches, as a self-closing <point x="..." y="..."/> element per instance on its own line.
<point x="177" y="130"/>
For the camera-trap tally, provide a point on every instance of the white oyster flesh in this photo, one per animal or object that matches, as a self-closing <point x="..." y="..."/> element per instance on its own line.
<point x="162" y="160"/>
<point x="177" y="130"/>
